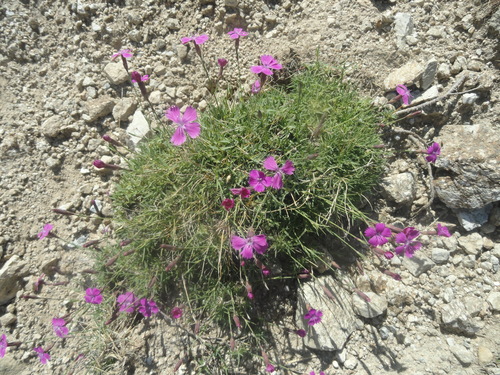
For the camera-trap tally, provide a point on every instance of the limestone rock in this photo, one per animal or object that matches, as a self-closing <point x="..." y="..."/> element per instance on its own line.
<point x="399" y="188"/>
<point x="454" y="318"/>
<point x="138" y="128"/>
<point x="428" y="74"/>
<point x="484" y="355"/>
<point x="464" y="356"/>
<point x="377" y="305"/>
<point x="471" y="244"/>
<point x="418" y="264"/>
<point x="408" y="74"/>
<point x="473" y="218"/>
<point x="124" y="108"/>
<point x="440" y="256"/>
<point x="403" y="28"/>
<point x="11" y="272"/>
<point x="7" y="319"/>
<point x="338" y="320"/>
<point x="99" y="107"/>
<point x="494" y="301"/>
<point x="473" y="178"/>
<point x="116" y="73"/>
<point x="52" y="127"/>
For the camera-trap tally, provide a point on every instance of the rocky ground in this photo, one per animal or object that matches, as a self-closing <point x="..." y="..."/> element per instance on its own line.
<point x="59" y="94"/>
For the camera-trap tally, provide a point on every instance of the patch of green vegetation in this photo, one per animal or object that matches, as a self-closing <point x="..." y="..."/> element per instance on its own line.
<point x="169" y="201"/>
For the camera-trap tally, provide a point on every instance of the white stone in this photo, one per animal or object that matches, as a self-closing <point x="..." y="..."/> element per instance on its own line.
<point x="377" y="305"/>
<point x="138" y="128"/>
<point x="116" y="73"/>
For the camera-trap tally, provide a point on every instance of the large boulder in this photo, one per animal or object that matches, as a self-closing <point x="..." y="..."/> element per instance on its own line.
<point x="469" y="166"/>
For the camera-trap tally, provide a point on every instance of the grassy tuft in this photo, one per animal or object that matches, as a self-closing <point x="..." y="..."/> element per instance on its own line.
<point x="172" y="195"/>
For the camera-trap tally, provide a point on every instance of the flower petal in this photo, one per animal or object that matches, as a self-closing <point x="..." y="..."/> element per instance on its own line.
<point x="256" y="69"/>
<point x="193" y="129"/>
<point x="288" y="167"/>
<point x="179" y="137"/>
<point x="247" y="251"/>
<point x="201" y="39"/>
<point x="260" y="243"/>
<point x="190" y="115"/>
<point x="174" y="114"/>
<point x="186" y="39"/>
<point x="237" y="242"/>
<point x="270" y="163"/>
<point x="276" y="182"/>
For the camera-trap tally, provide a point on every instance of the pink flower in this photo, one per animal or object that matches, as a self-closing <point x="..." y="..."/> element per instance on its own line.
<point x="237" y="33"/>
<point x="176" y="312"/>
<point x="200" y="39"/>
<point x="443" y="231"/>
<point x="268" y="63"/>
<point x="44" y="357"/>
<point x="3" y="345"/>
<point x="126" y="53"/>
<point x="277" y="180"/>
<point x="301" y="332"/>
<point x="404" y="92"/>
<point x="222" y="63"/>
<point x="45" y="231"/>
<point x="147" y="307"/>
<point x="248" y="245"/>
<point x="388" y="255"/>
<point x="59" y="327"/>
<point x="136" y="77"/>
<point x="243" y="192"/>
<point x="314" y="316"/>
<point x="256" y="87"/>
<point x="127" y="302"/>
<point x="406" y="238"/>
<point x="258" y="180"/>
<point x="270" y="368"/>
<point x="93" y="295"/>
<point x="228" y="204"/>
<point x="432" y="152"/>
<point x="377" y="235"/>
<point x="186" y="124"/>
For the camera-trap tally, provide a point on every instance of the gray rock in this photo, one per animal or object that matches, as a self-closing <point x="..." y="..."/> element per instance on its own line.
<point x="440" y="256"/>
<point x="495" y="216"/>
<point x="99" y="108"/>
<point x="469" y="261"/>
<point x="124" y="108"/>
<point x="403" y="27"/>
<point x="469" y="98"/>
<point x="52" y="127"/>
<point x="138" y="128"/>
<point x="473" y="305"/>
<point x="459" y="65"/>
<point x="484" y="355"/>
<point x="454" y="318"/>
<point x="427" y="95"/>
<point x="473" y="178"/>
<point x="418" y="264"/>
<point x="377" y="305"/>
<point x="437" y="31"/>
<point x="473" y="218"/>
<point x="494" y="301"/>
<point x="399" y="188"/>
<point x="408" y="74"/>
<point x="338" y="320"/>
<point x="155" y="97"/>
<point x="182" y="52"/>
<point x="116" y="73"/>
<point x="443" y="71"/>
<point x="10" y="274"/>
<point x="53" y="163"/>
<point x="428" y="74"/>
<point x="464" y="356"/>
<point x="7" y="319"/>
<point x="471" y="243"/>
<point x="494" y="24"/>
<point x="351" y="363"/>
<point x="172" y="24"/>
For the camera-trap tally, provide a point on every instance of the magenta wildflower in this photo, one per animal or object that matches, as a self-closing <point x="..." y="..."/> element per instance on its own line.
<point x="388" y="255"/>
<point x="258" y="180"/>
<point x="147" y="307"/>
<point x="45" y="231"/>
<point x="59" y="327"/>
<point x="127" y="302"/>
<point x="301" y="332"/>
<point x="126" y="53"/>
<point x="237" y="33"/>
<point x="277" y="180"/>
<point x="93" y="295"/>
<point x="378" y="235"/>
<point x="176" y="312"/>
<point x="406" y="238"/>
<point x="256" y="87"/>
<point x="44" y="357"/>
<point x="186" y="124"/>
<point x="222" y="63"/>
<point x="268" y="63"/>
<point x="270" y="368"/>
<point x="404" y="92"/>
<point x="228" y="204"/>
<point x="248" y="245"/>
<point x="136" y="77"/>
<point x="432" y="152"/>
<point x="200" y="39"/>
<point x="443" y="231"/>
<point x="100" y="164"/>
<point x="110" y="140"/>
<point x="242" y="192"/>
<point x="313" y="316"/>
<point x="3" y="345"/>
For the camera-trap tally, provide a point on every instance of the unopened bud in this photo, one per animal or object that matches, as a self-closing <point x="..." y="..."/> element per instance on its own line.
<point x="100" y="164"/>
<point x="110" y="140"/>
